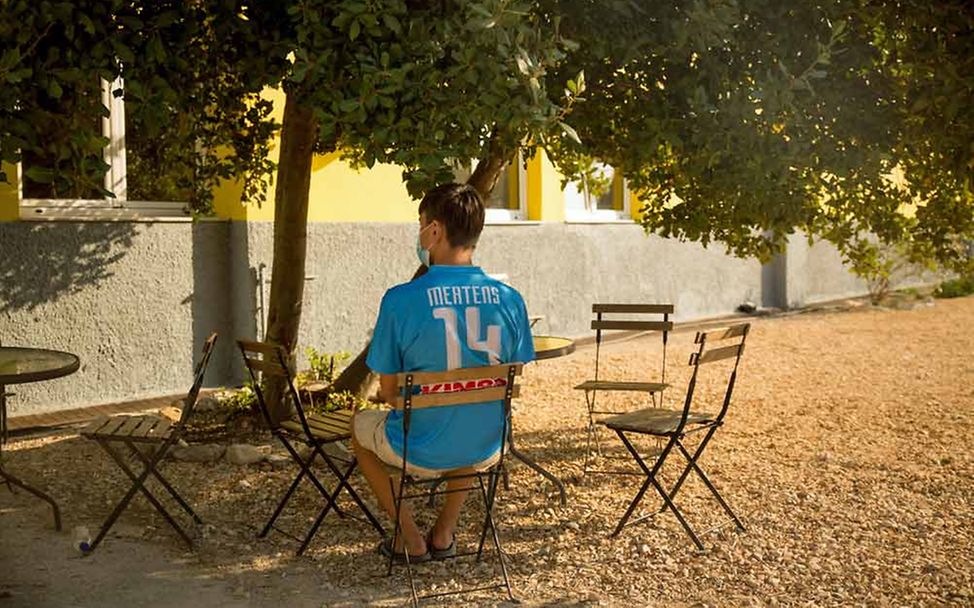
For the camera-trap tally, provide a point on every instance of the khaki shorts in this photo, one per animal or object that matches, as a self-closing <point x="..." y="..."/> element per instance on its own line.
<point x="369" y="428"/>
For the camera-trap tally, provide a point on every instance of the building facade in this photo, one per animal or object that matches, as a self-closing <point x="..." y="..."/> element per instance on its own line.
<point x="133" y="287"/>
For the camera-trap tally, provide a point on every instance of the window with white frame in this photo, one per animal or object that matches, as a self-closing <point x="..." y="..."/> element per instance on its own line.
<point x="508" y="201"/>
<point x="151" y="197"/>
<point x="600" y="194"/>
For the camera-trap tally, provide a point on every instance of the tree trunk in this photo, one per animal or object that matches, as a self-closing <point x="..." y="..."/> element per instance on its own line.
<point x="489" y="168"/>
<point x="357" y="378"/>
<point x="298" y="133"/>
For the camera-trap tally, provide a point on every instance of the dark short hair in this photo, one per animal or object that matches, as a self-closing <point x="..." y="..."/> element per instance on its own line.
<point x="459" y="208"/>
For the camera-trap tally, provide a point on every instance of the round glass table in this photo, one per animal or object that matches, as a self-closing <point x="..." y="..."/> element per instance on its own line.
<point x="21" y="365"/>
<point x="549" y="347"/>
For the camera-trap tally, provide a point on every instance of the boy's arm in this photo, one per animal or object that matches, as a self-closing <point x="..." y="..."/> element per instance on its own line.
<point x="388" y="388"/>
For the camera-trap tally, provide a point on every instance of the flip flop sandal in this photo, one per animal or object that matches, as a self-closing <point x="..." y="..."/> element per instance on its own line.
<point x="446" y="553"/>
<point x="385" y="549"/>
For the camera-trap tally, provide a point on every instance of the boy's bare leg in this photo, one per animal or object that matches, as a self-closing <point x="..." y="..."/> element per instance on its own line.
<point x="446" y="522"/>
<point x="375" y="472"/>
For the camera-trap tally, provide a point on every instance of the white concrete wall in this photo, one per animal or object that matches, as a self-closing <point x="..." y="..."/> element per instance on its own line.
<point x="136" y="300"/>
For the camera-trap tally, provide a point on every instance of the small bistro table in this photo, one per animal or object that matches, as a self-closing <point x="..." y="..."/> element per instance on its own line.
<point x="545" y="347"/>
<point x="21" y="365"/>
<point x="549" y="347"/>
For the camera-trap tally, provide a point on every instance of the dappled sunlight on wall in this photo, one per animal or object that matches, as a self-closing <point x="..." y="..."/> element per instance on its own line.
<point x="41" y="263"/>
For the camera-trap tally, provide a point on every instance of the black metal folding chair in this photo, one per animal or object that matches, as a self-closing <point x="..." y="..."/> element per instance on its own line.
<point x="486" y="479"/>
<point x="675" y="425"/>
<point x="155" y="434"/>
<point x="659" y="320"/>
<point x="316" y="431"/>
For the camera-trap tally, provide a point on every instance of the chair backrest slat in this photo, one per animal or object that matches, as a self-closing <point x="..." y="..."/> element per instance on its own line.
<point x="716" y="354"/>
<point x="502" y="378"/>
<point x="721" y="333"/>
<point x="270" y="359"/>
<point x="633" y="308"/>
<point x="462" y="397"/>
<point x="189" y="403"/>
<point x="661" y="323"/>
<point x="705" y="355"/>
<point x="634" y="325"/>
<point x="466" y="373"/>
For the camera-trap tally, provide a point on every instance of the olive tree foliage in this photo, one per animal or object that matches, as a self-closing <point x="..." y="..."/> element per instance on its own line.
<point x="420" y="84"/>
<point x="191" y="86"/>
<point x="423" y="84"/>
<point x="742" y="121"/>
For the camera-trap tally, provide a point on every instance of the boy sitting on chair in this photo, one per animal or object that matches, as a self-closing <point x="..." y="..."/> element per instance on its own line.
<point x="452" y="317"/>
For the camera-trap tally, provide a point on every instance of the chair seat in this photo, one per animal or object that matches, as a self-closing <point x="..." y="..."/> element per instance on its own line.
<point x="655" y="421"/>
<point x="146" y="428"/>
<point x="332" y="426"/>
<point x="611" y="385"/>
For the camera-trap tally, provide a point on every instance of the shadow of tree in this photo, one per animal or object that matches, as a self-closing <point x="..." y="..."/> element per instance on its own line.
<point x="40" y="263"/>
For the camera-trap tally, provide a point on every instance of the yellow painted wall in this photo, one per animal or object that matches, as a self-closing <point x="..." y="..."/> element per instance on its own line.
<point x="9" y="202"/>
<point x="546" y="201"/>
<point x="339" y="193"/>
<point x="634" y="207"/>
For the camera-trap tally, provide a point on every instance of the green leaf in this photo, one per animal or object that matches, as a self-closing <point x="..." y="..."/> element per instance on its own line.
<point x="391" y="22"/>
<point x="9" y="59"/>
<point x="41" y="175"/>
<point x="354" y="29"/>
<point x="570" y="132"/>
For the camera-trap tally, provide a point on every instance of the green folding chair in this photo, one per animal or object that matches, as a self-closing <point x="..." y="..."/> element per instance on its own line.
<point x="487" y="480"/>
<point x="148" y="439"/>
<point x="648" y="317"/>
<point x="674" y="426"/>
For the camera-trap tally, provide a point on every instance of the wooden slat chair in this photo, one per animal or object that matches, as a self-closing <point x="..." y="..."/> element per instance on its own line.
<point x="652" y="317"/>
<point x="158" y="433"/>
<point x="674" y="425"/>
<point x="486" y="479"/>
<point x="316" y="431"/>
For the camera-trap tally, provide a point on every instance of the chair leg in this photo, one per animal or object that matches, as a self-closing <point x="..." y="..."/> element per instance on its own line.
<point x="488" y="497"/>
<point x="162" y="480"/>
<point x="305" y="466"/>
<point x="679" y="514"/>
<point x="138" y="482"/>
<point x="690" y="461"/>
<point x="280" y="506"/>
<point x="651" y="479"/>
<point x="591" y="435"/>
<point x="395" y="536"/>
<point x="343" y="483"/>
<point x="489" y="505"/>
<point x="710" y="486"/>
<point x="325" y="509"/>
<point x="650" y="474"/>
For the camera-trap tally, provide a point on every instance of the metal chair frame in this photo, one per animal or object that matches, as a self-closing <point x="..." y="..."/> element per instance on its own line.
<point x="108" y="432"/>
<point x="487" y="480"/>
<point x="592" y="446"/>
<point x="270" y="359"/>
<point x="672" y="425"/>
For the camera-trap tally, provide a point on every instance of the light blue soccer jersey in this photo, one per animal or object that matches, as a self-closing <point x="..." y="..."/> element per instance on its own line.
<point x="451" y="317"/>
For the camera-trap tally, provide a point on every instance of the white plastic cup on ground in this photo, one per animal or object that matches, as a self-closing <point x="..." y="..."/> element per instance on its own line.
<point x="82" y="538"/>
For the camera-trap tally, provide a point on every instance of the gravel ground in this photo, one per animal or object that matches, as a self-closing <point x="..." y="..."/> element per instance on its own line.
<point x="846" y="452"/>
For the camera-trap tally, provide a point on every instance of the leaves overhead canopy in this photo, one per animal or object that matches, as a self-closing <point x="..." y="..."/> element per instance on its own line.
<point x="741" y="122"/>
<point x="421" y="84"/>
<point x="736" y="121"/>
